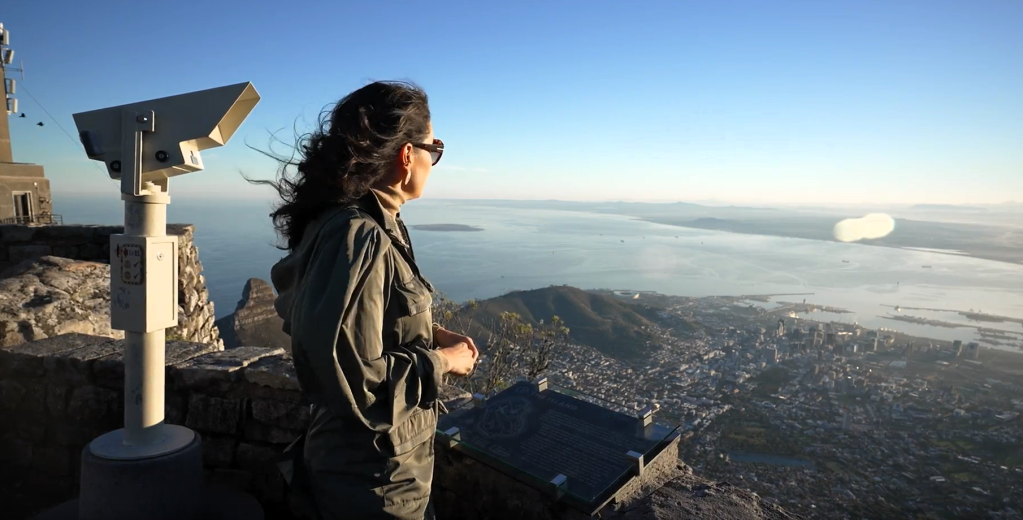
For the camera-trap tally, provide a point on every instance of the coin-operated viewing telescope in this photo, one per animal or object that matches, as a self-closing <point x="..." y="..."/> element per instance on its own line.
<point x="189" y="123"/>
<point x="153" y="469"/>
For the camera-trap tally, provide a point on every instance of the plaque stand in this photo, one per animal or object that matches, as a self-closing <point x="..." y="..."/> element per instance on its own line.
<point x="572" y="451"/>
<point x="558" y="486"/>
<point x="452" y="435"/>
<point x="637" y="462"/>
<point x="646" y="417"/>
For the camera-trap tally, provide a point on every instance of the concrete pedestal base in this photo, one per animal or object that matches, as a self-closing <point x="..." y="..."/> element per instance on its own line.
<point x="168" y="487"/>
<point x="219" y="502"/>
<point x="165" y="487"/>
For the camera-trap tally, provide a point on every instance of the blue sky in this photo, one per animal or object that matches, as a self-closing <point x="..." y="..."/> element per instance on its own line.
<point x="768" y="102"/>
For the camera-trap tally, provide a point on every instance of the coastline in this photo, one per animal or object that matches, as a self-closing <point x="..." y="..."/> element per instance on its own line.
<point x="807" y="312"/>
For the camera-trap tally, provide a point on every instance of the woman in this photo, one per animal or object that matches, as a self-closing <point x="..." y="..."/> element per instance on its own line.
<point x="366" y="351"/>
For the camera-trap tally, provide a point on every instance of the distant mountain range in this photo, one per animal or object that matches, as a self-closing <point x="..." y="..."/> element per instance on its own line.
<point x="612" y="326"/>
<point x="946" y="207"/>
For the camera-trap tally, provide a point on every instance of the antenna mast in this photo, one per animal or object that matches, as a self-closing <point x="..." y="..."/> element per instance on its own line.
<point x="6" y="62"/>
<point x="10" y="103"/>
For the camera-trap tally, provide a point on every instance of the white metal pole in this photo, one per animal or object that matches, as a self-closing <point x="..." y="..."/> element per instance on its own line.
<point x="144" y="352"/>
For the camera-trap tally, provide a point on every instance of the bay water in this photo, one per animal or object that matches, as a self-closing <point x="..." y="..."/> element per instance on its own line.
<point x="533" y="248"/>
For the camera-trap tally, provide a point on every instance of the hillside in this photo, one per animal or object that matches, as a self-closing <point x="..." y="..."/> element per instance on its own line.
<point x="613" y="327"/>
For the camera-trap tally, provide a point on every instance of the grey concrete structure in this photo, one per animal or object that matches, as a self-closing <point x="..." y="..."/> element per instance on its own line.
<point x="24" y="190"/>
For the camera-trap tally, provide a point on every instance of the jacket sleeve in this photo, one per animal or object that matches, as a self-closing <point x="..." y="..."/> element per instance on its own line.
<point x="340" y="327"/>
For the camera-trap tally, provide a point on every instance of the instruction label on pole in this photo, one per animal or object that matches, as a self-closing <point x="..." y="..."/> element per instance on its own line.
<point x="132" y="264"/>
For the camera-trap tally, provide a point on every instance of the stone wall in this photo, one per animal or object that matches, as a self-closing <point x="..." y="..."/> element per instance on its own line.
<point x="58" y="394"/>
<point x="92" y="243"/>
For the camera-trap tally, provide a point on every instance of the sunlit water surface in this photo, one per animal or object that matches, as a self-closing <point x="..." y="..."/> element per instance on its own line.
<point x="525" y="249"/>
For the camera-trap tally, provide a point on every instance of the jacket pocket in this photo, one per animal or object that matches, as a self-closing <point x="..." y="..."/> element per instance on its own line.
<point x="413" y="299"/>
<point x="417" y="429"/>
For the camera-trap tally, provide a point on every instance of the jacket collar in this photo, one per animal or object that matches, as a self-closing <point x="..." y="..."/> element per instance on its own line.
<point x="370" y="203"/>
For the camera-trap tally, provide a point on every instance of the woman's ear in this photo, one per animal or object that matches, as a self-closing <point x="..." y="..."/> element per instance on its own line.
<point x="406" y="156"/>
<point x="401" y="167"/>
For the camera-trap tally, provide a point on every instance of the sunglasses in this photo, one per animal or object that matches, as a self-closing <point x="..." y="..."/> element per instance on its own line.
<point x="436" y="149"/>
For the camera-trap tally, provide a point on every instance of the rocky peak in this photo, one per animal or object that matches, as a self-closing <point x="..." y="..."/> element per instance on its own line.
<point x="254" y="323"/>
<point x="256" y="293"/>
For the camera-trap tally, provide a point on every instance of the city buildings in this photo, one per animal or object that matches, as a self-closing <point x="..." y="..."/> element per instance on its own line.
<point x="827" y="429"/>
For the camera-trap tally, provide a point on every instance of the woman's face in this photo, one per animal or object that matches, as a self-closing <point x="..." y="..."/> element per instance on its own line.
<point x="420" y="163"/>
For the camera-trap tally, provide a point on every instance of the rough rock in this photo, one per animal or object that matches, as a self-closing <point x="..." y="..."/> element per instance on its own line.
<point x="276" y="372"/>
<point x="685" y="495"/>
<point x="453" y="397"/>
<point x="49" y="296"/>
<point x="86" y="243"/>
<point x="254" y="322"/>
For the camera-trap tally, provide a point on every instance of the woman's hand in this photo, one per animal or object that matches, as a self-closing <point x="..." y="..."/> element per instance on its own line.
<point x="444" y="338"/>
<point x="459" y="349"/>
<point x="461" y="359"/>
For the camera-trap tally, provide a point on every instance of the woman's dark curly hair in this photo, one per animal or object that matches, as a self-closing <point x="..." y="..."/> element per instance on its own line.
<point x="353" y="147"/>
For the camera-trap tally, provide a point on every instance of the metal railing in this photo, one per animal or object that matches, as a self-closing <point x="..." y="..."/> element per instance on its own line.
<point x="41" y="219"/>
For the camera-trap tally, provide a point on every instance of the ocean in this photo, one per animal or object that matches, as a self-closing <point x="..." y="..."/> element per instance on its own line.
<point x="528" y="248"/>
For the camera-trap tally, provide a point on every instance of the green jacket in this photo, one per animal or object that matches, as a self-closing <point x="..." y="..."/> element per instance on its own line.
<point x="358" y="312"/>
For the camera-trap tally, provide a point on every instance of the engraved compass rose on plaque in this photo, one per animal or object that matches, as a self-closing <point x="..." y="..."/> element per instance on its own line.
<point x="504" y="419"/>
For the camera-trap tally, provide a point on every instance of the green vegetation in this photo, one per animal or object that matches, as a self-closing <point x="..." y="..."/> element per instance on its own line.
<point x="1015" y="459"/>
<point x="752" y="431"/>
<point x="955" y="445"/>
<point x="770" y="381"/>
<point x="963" y="477"/>
<point x="513" y="347"/>
<point x="834" y="466"/>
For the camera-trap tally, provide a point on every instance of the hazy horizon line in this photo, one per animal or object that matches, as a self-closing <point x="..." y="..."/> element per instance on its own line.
<point x="78" y="194"/>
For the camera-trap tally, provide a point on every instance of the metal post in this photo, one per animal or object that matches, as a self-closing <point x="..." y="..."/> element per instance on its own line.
<point x="479" y="400"/>
<point x="453" y="435"/>
<point x="559" y="484"/>
<point x="144" y="352"/>
<point x="646" y="416"/>
<point x="637" y="461"/>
